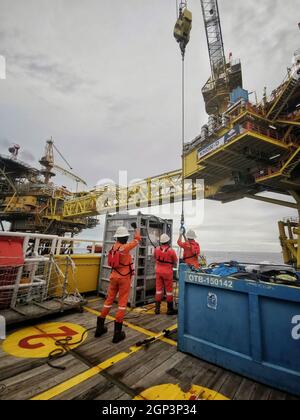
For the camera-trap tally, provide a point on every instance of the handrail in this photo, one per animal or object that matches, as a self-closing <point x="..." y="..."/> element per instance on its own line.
<point x="56" y="243"/>
<point x="278" y="169"/>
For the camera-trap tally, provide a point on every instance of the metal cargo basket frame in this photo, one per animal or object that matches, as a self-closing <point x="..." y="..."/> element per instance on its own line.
<point x="40" y="285"/>
<point x="143" y="281"/>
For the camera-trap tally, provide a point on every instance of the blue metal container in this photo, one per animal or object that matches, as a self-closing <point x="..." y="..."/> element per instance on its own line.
<point x="239" y="93"/>
<point x="244" y="326"/>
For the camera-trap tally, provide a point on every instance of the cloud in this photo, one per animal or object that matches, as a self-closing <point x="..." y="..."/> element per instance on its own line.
<point x="4" y="142"/>
<point x="38" y="68"/>
<point x="104" y="81"/>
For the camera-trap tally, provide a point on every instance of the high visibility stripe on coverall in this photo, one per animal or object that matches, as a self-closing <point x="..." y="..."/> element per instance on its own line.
<point x="164" y="272"/>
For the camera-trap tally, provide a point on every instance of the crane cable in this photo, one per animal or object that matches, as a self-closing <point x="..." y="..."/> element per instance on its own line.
<point x="183" y="139"/>
<point x="183" y="44"/>
<point x="63" y="158"/>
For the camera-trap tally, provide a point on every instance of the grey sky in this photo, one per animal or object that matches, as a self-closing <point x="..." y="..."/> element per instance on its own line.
<point x="103" y="79"/>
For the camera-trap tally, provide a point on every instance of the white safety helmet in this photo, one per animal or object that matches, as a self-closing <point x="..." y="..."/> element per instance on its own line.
<point x="191" y="234"/>
<point x="164" y="239"/>
<point x="122" y="232"/>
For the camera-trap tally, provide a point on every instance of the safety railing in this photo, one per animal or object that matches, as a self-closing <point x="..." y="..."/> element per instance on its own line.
<point x="77" y="246"/>
<point x="37" y="276"/>
<point x="269" y="172"/>
<point x="35" y="244"/>
<point x="271" y="133"/>
<point x="281" y="95"/>
<point x="241" y="108"/>
<point x="268" y="132"/>
<point x="280" y="167"/>
<point x="276" y="93"/>
<point x="294" y="116"/>
<point x="36" y="281"/>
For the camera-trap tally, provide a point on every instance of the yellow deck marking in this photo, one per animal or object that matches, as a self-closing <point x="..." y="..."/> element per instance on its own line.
<point x="137" y="328"/>
<point x="150" y="309"/>
<point x="76" y="380"/>
<point x="84" y="376"/>
<point x="174" y="392"/>
<point x="93" y="300"/>
<point x="39" y="341"/>
<point x="147" y="309"/>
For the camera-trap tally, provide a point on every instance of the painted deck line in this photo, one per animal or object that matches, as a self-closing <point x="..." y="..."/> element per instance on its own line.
<point x="137" y="328"/>
<point x="76" y="380"/>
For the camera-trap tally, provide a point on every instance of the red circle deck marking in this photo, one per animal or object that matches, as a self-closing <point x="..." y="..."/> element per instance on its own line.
<point x="39" y="341"/>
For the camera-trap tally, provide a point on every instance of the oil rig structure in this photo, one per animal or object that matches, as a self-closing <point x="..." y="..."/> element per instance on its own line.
<point x="30" y="201"/>
<point x="245" y="149"/>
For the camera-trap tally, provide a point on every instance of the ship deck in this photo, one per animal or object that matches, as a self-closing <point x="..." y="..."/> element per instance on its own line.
<point x="100" y="370"/>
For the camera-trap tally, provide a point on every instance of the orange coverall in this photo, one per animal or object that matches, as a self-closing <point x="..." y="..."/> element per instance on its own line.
<point x="120" y="280"/>
<point x="191" y="252"/>
<point x="166" y="258"/>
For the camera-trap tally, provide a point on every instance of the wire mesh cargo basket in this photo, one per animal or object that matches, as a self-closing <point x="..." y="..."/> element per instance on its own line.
<point x="35" y="281"/>
<point x="8" y="276"/>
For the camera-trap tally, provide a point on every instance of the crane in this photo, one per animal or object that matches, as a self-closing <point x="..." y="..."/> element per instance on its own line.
<point x="211" y="16"/>
<point x="47" y="161"/>
<point x="69" y="174"/>
<point x="225" y="76"/>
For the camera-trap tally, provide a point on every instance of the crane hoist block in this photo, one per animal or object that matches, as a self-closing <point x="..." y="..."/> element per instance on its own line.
<point x="183" y="27"/>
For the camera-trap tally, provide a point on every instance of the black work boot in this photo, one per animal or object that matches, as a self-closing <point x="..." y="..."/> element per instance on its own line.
<point x="171" y="310"/>
<point x="101" y="329"/>
<point x="157" y="308"/>
<point x="119" y="335"/>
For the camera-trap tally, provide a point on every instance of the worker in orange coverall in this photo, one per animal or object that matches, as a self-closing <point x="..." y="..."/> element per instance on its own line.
<point x="120" y="282"/>
<point x="165" y="258"/>
<point x="191" y="249"/>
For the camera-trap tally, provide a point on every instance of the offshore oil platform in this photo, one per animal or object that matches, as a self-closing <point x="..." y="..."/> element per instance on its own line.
<point x="233" y="317"/>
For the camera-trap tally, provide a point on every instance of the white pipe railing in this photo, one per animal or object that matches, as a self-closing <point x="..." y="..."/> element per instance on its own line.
<point x="32" y="235"/>
<point x="57" y="242"/>
<point x="43" y="249"/>
<point x="74" y="241"/>
<point x="24" y="286"/>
